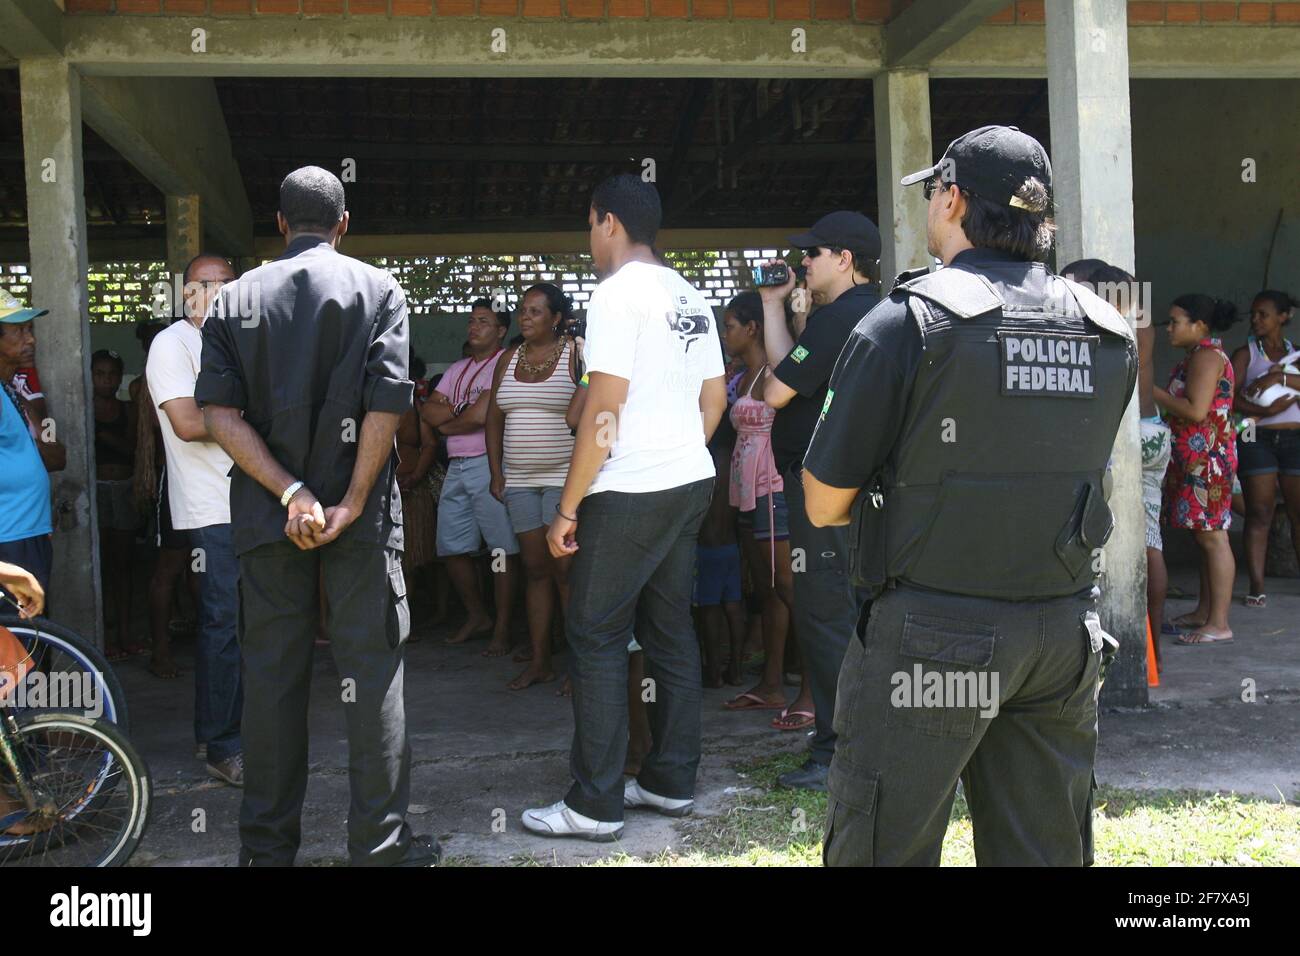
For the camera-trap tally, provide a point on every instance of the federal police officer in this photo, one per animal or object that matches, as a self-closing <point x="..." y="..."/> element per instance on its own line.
<point x="965" y="436"/>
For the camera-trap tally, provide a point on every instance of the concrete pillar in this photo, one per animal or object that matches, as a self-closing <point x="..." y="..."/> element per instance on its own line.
<point x="903" y="145"/>
<point x="56" y="217"/>
<point x="1092" y="165"/>
<point x="184" y="231"/>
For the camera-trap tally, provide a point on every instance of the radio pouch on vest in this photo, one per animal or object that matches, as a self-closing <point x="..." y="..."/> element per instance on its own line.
<point x="867" y="555"/>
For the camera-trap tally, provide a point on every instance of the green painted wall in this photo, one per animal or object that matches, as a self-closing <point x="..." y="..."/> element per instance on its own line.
<point x="1199" y="227"/>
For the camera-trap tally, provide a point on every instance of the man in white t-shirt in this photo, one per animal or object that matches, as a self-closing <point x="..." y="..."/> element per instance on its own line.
<point x="198" y="493"/>
<point x="637" y="490"/>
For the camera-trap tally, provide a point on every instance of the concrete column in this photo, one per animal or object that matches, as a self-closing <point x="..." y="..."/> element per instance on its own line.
<point x="184" y="231"/>
<point x="902" y="106"/>
<point x="1092" y="165"/>
<point x="56" y="216"/>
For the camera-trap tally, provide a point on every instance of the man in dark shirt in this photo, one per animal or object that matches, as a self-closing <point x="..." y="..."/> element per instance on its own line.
<point x="840" y="255"/>
<point x="303" y="382"/>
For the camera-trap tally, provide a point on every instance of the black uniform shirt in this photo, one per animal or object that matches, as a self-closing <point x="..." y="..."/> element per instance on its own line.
<point x="863" y="412"/>
<point x="872" y="381"/>
<point x="305" y="346"/>
<point x="807" y="369"/>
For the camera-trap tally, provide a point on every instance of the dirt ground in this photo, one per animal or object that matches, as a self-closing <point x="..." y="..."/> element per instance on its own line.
<point x="482" y="753"/>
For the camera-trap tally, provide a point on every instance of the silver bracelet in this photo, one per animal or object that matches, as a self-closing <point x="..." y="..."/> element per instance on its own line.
<point x="289" y="493"/>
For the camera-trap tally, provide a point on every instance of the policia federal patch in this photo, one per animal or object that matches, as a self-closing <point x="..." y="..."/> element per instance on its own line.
<point x="1041" y="363"/>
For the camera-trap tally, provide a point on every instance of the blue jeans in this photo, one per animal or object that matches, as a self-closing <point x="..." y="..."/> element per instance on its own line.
<point x="635" y="563"/>
<point x="218" y="686"/>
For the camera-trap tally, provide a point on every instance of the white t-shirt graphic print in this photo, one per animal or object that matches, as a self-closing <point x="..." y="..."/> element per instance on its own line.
<point x="647" y="324"/>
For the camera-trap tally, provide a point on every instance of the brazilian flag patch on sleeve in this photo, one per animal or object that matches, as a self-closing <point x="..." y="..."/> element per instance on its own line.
<point x="799" y="354"/>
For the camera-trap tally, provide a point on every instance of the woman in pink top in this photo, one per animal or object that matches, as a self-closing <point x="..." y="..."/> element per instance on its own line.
<point x="1271" y="453"/>
<point x="758" y="492"/>
<point x="529" y="445"/>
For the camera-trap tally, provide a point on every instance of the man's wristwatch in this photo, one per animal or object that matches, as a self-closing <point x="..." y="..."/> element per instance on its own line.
<point x="289" y="492"/>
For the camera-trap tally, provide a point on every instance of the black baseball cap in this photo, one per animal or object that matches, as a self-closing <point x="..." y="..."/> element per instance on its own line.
<point x="843" y="229"/>
<point x="993" y="162"/>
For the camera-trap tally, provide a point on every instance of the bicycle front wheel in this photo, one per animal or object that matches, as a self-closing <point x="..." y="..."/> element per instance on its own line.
<point x="92" y="788"/>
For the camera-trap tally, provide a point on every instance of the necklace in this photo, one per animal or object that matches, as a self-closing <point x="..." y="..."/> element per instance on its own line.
<point x="455" y="391"/>
<point x="532" y="369"/>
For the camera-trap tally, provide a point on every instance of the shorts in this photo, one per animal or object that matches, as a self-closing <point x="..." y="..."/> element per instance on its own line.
<point x="531" y="506"/>
<point x="115" y="502"/>
<point x="759" y="522"/>
<point x="1156" y="447"/>
<point x="34" y="555"/>
<point x="1273" y="450"/>
<point x="169" y="536"/>
<point x="468" y="514"/>
<point x="717" y="575"/>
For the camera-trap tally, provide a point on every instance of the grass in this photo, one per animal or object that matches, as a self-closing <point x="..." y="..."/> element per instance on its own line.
<point x="766" y="826"/>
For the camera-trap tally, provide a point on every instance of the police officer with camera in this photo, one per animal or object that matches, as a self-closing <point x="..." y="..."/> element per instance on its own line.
<point x="965" y="438"/>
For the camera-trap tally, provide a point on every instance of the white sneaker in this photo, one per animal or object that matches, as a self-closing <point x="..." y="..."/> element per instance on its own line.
<point x="560" y="820"/>
<point x="635" y="795"/>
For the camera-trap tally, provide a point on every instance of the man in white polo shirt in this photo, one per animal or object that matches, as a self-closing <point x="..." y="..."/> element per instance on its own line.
<point x="198" y="492"/>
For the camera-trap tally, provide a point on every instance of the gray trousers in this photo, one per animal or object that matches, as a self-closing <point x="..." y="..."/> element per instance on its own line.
<point x="1026" y="772"/>
<point x="367" y="623"/>
<point x="825" y="609"/>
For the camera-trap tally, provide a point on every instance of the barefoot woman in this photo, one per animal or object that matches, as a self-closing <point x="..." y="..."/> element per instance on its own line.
<point x="529" y="447"/>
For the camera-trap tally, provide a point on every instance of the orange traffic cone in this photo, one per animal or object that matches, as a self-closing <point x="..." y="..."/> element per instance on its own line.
<point x="1153" y="675"/>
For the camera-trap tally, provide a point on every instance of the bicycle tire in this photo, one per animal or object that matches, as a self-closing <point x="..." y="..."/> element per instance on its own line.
<point x="135" y="775"/>
<point x="42" y="629"/>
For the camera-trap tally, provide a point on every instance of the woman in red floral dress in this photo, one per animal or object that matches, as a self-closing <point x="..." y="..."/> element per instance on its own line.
<point x="1198" y="485"/>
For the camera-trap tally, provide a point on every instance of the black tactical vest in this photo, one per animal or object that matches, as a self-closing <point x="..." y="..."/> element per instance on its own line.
<point x="995" y="485"/>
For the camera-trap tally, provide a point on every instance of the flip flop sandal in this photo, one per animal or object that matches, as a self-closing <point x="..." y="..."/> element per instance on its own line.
<point x="1256" y="600"/>
<point x="754" y="703"/>
<point x="808" y="720"/>
<point x="1203" y="639"/>
<point x="1171" y="630"/>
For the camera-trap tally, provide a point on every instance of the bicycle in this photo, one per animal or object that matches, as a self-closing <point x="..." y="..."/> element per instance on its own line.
<point x="63" y="657"/>
<point x="73" y="791"/>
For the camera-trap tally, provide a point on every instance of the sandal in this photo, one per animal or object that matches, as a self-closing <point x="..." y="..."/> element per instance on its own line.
<point x="803" y="719"/>
<point x="1197" y="638"/>
<point x="1256" y="600"/>
<point x="751" y="701"/>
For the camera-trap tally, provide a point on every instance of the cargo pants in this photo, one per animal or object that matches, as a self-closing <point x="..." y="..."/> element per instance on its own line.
<point x="915" y="712"/>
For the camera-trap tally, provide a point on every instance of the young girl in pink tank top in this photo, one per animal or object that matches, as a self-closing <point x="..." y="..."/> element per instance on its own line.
<point x="757" y="491"/>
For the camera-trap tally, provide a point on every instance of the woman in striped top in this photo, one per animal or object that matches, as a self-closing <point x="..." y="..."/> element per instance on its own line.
<point x="529" y="446"/>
